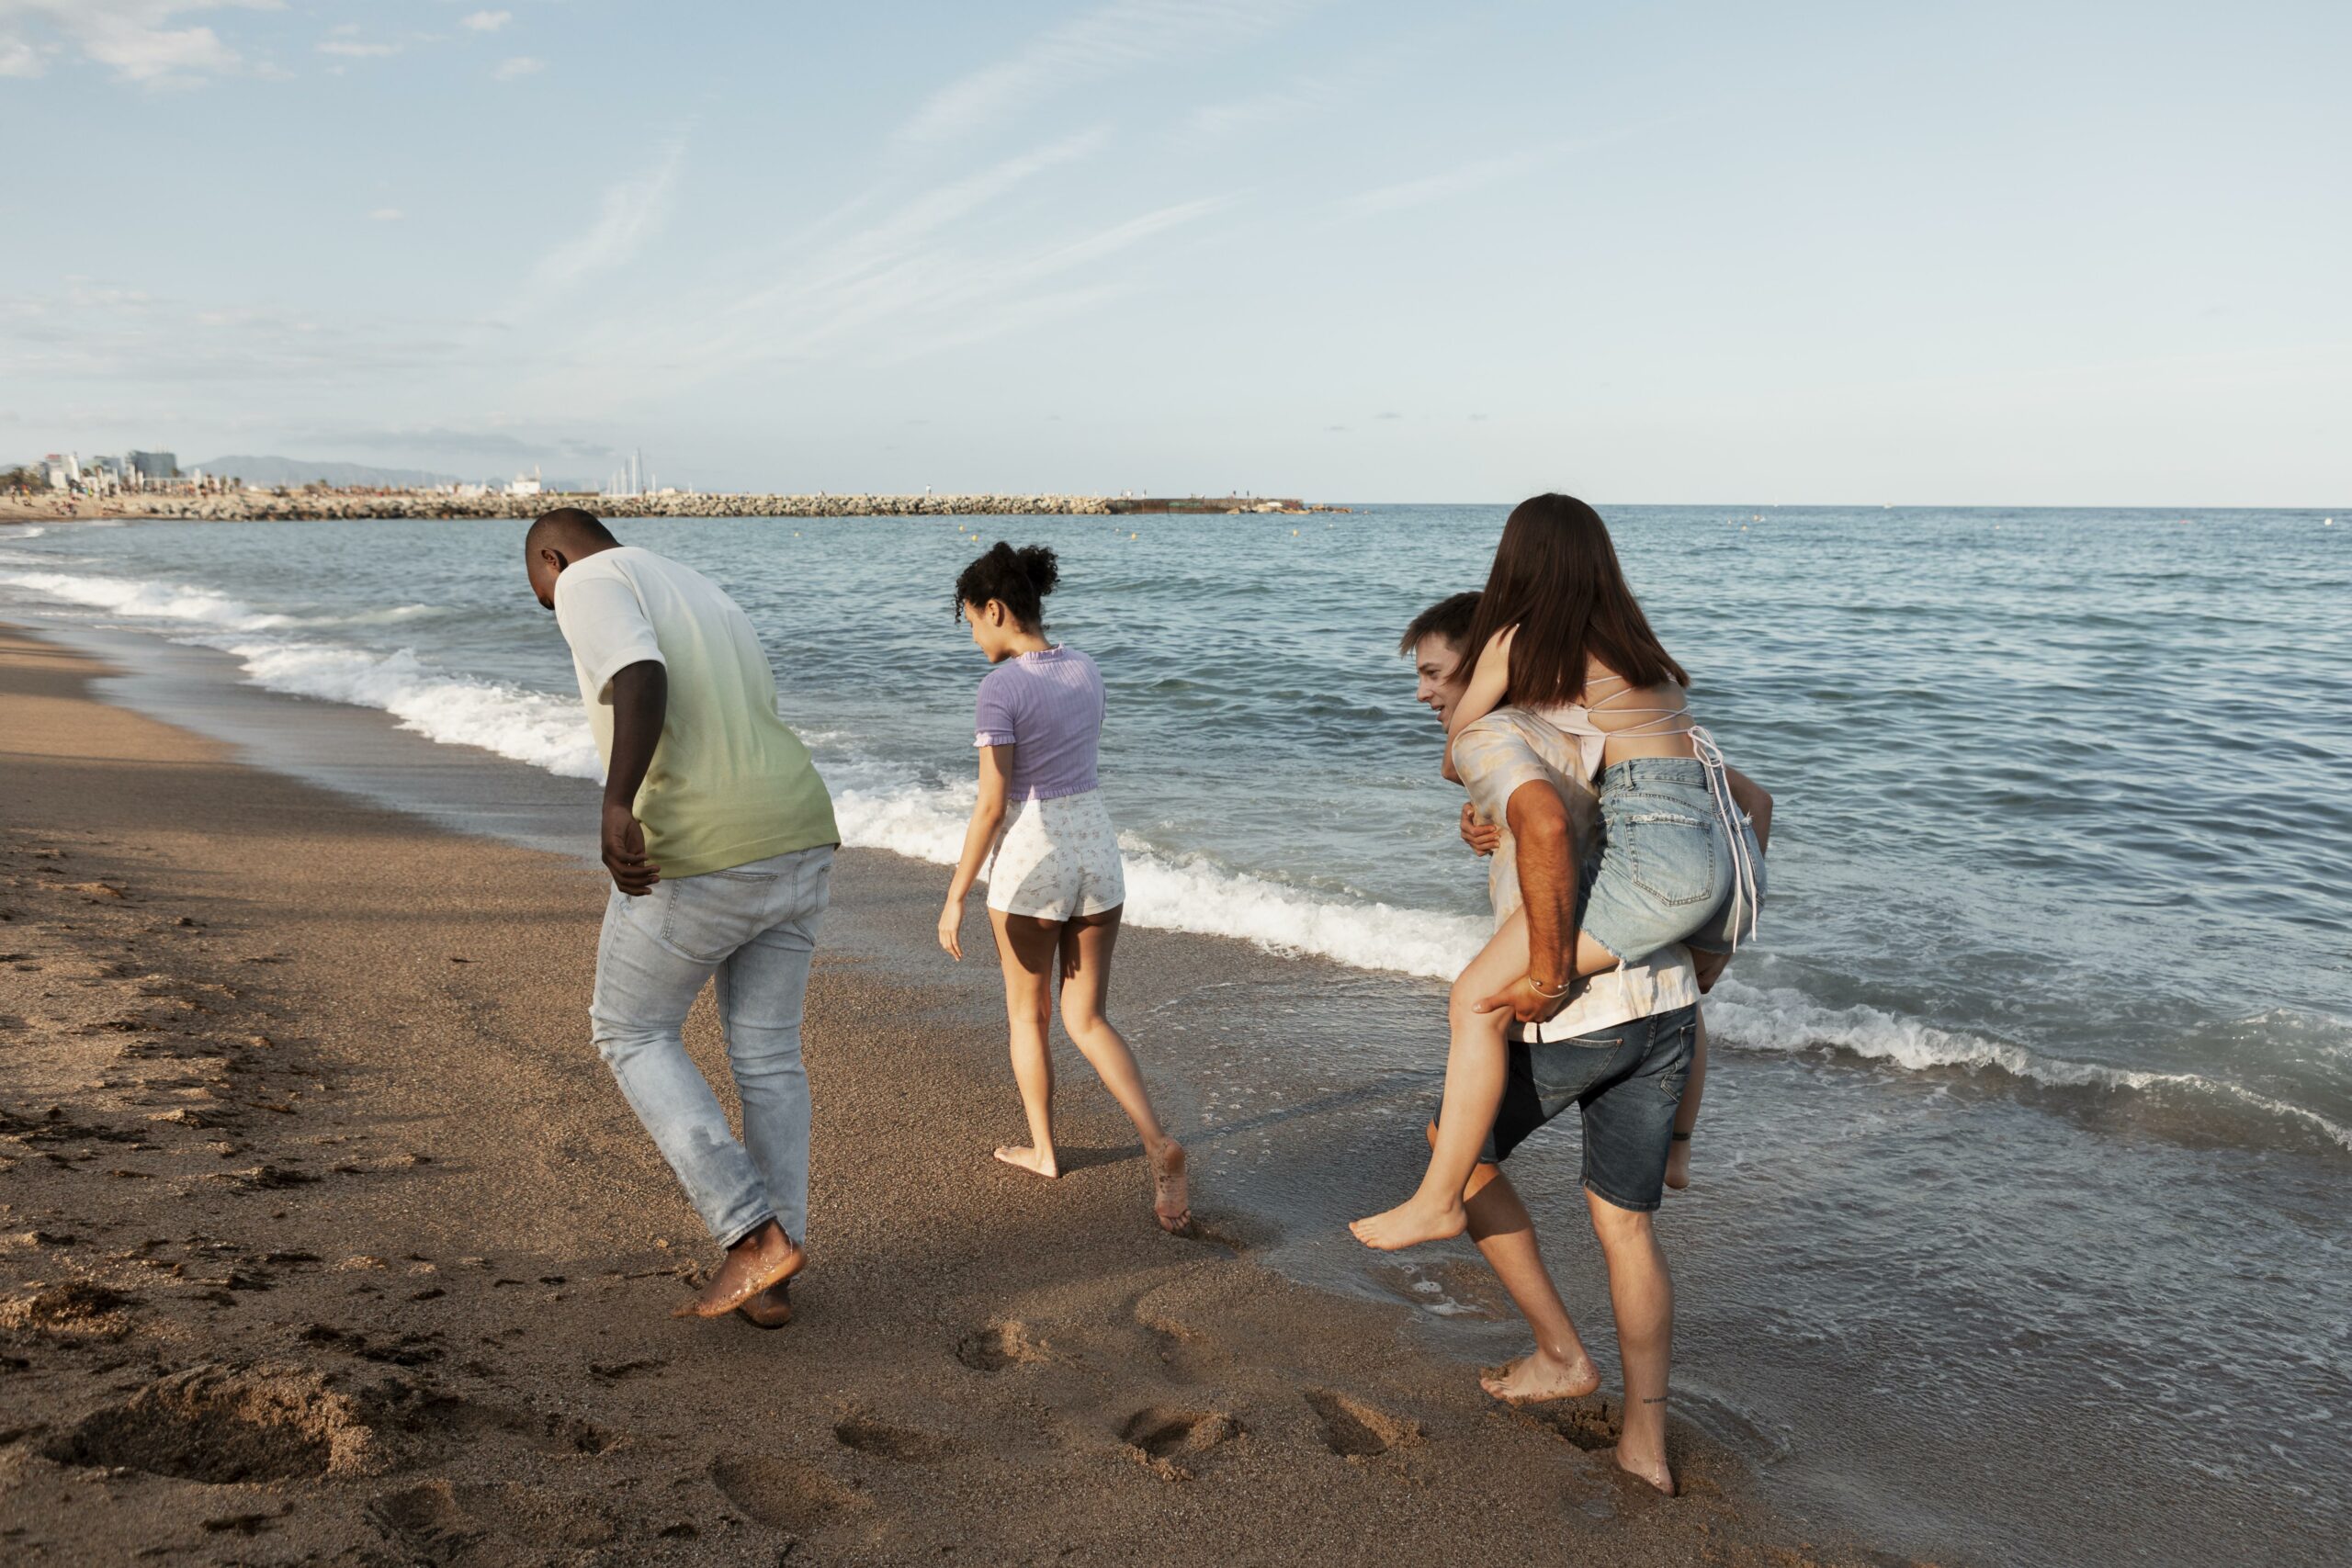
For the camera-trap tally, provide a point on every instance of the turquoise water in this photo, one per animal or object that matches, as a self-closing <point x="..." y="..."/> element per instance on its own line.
<point x="2035" y="1100"/>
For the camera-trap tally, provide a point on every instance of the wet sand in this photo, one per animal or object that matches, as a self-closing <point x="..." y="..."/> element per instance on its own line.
<point x="325" y="1236"/>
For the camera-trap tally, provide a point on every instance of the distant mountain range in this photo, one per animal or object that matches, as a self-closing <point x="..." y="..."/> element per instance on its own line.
<point x="302" y="471"/>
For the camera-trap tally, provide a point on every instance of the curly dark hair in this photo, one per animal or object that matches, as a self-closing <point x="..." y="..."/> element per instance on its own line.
<point x="1019" y="580"/>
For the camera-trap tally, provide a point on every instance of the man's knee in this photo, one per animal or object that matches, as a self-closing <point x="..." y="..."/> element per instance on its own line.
<point x="1616" y="1226"/>
<point x="764" y="1052"/>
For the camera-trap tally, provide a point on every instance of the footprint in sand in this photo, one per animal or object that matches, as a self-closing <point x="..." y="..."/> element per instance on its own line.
<point x="1001" y="1344"/>
<point x="426" y="1520"/>
<point x="782" y="1493"/>
<point x="903" y="1444"/>
<point x="1355" y="1430"/>
<point x="439" y="1522"/>
<point x="1590" y="1423"/>
<point x="1162" y="1433"/>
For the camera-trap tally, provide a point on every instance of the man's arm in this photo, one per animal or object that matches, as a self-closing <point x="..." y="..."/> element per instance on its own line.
<point x="640" y="701"/>
<point x="1544" y="847"/>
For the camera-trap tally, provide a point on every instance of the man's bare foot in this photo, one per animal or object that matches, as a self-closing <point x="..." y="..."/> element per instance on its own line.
<point x="1537" y="1377"/>
<point x="1039" y="1160"/>
<point x="1171" y="1201"/>
<point x="1411" y="1223"/>
<point x="772" y="1308"/>
<point x="1678" y="1164"/>
<point x="764" y="1258"/>
<point x="1654" y="1472"/>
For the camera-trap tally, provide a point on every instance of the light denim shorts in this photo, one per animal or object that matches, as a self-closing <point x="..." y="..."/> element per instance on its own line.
<point x="1666" y="872"/>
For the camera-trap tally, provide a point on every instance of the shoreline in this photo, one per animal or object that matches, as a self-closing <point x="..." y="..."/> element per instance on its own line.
<point x="297" y="506"/>
<point x="432" y="1249"/>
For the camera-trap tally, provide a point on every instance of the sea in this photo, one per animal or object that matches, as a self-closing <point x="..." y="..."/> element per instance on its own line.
<point x="2018" y="1230"/>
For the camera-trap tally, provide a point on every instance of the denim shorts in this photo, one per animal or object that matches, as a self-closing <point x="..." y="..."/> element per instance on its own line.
<point x="1627" y="1080"/>
<point x="1666" y="872"/>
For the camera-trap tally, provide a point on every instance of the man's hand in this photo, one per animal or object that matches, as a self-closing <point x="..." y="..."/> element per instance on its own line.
<point x="624" y="848"/>
<point x="1523" y="1001"/>
<point x="951" y="929"/>
<point x="1483" y="837"/>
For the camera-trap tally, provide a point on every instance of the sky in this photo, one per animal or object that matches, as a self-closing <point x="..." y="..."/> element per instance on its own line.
<point x="2007" y="253"/>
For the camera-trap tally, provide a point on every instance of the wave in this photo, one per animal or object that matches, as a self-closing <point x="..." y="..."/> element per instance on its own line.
<point x="148" y="601"/>
<point x="1786" y="1021"/>
<point x="546" y="732"/>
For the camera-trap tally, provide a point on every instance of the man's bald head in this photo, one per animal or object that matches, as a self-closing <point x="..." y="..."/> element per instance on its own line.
<point x="554" y="541"/>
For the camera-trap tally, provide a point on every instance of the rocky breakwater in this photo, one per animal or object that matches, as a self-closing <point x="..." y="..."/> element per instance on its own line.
<point x="260" y="504"/>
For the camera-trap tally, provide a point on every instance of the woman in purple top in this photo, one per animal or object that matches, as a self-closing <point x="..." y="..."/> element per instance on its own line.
<point x="1056" y="886"/>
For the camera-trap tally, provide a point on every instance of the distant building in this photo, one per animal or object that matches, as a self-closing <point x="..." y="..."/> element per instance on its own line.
<point x="521" y="485"/>
<point x="156" y="465"/>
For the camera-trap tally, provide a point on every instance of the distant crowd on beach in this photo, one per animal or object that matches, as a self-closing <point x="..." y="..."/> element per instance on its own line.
<point x="1626" y="868"/>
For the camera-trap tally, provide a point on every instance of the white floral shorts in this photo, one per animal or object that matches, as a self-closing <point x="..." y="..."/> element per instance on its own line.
<point x="1058" y="858"/>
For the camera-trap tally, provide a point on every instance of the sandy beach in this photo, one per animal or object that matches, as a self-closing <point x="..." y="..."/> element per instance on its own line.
<point x="324" y="1236"/>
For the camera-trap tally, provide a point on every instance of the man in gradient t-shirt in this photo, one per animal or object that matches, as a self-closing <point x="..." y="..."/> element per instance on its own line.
<point x="720" y="837"/>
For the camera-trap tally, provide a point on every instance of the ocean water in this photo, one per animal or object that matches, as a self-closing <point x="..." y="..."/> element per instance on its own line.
<point x="2020" y="1232"/>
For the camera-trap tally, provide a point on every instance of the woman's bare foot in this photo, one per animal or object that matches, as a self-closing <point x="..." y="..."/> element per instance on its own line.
<point x="764" y="1258"/>
<point x="1678" y="1164"/>
<point x="1538" y="1377"/>
<point x="1411" y="1223"/>
<point x="1171" y="1201"/>
<point x="1654" y="1470"/>
<point x="772" y="1308"/>
<point x="1041" y="1161"/>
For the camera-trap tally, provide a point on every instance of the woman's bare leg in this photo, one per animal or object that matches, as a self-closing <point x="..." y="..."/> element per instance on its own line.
<point x="1087" y="944"/>
<point x="1686" y="1115"/>
<point x="1474" y="1065"/>
<point x="1025" y="946"/>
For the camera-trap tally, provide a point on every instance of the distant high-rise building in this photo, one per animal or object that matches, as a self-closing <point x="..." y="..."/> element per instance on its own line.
<point x="156" y="465"/>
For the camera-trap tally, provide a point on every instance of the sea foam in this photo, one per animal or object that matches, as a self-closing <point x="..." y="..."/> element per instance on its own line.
<point x="1781" y="1019"/>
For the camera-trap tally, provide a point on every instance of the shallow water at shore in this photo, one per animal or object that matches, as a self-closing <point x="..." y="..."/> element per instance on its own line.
<point x="1968" y="1259"/>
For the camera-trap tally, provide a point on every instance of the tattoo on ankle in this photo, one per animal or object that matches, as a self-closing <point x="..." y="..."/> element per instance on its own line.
<point x="1659" y="1400"/>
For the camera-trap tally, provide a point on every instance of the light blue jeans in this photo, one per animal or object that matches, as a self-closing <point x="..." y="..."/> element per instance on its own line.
<point x="753" y="929"/>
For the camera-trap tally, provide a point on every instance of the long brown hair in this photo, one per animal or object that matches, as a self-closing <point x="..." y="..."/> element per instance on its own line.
<point x="1556" y="578"/>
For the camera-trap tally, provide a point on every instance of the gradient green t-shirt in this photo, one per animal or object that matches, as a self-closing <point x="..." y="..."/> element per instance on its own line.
<point x="730" y="782"/>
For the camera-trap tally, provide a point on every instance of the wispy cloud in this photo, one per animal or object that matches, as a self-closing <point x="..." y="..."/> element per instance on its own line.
<point x="134" y="39"/>
<point x="943" y="267"/>
<point x="521" y="65"/>
<point x="358" y="48"/>
<point x="387" y="215"/>
<point x="486" y="21"/>
<point x="630" y="213"/>
<point x="1110" y="38"/>
<point x="1317" y="93"/>
<point x="1473" y="175"/>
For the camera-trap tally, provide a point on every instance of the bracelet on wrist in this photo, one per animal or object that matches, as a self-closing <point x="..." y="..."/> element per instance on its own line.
<point x="1546" y="992"/>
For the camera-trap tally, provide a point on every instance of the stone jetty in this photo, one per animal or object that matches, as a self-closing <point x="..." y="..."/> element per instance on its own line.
<point x="239" y="505"/>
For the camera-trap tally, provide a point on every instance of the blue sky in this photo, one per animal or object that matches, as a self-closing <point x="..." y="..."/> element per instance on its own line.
<point x="2035" y="253"/>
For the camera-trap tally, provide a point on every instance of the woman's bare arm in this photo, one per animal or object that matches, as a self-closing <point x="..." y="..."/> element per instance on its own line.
<point x="987" y="816"/>
<point x="1490" y="685"/>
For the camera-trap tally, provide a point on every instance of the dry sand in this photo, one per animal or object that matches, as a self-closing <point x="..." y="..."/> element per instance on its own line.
<point x="325" y="1238"/>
